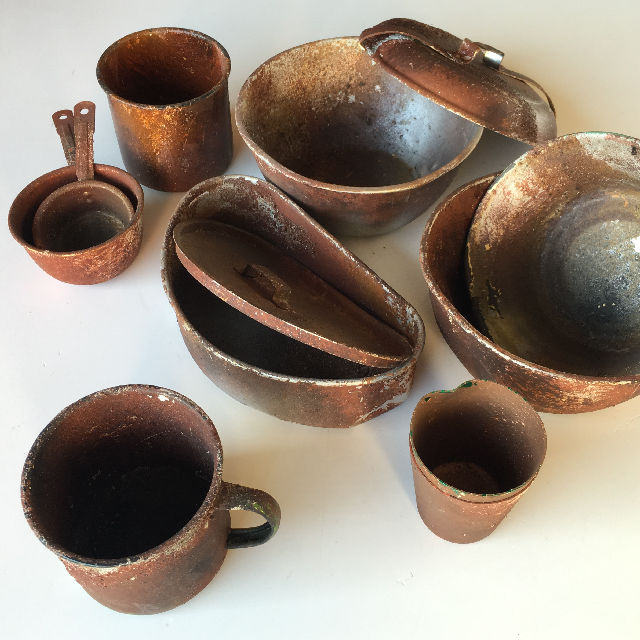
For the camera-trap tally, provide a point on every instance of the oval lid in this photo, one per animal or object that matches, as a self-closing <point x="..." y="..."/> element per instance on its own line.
<point x="464" y="77"/>
<point x="261" y="281"/>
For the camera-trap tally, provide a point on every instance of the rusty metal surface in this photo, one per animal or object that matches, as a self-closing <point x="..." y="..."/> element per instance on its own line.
<point x="263" y="282"/>
<point x="474" y="452"/>
<point x="87" y="212"/>
<point x="135" y="506"/>
<point x="464" y="77"/>
<point x="86" y="266"/>
<point x="357" y="149"/>
<point x="553" y="260"/>
<point x="168" y="93"/>
<point x="261" y="367"/>
<point x="442" y="259"/>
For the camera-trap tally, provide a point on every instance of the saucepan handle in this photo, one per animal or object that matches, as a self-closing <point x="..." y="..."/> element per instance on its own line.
<point x="234" y="497"/>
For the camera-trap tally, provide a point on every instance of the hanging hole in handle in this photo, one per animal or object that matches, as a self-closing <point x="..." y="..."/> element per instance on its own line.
<point x="63" y="117"/>
<point x="84" y="111"/>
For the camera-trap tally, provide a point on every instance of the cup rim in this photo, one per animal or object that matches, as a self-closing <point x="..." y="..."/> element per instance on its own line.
<point x="225" y="67"/>
<point x="167" y="547"/>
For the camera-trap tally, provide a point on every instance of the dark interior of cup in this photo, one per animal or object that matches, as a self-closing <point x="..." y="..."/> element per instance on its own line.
<point x="162" y="66"/>
<point x="325" y="111"/>
<point x="120" y="474"/>
<point x="481" y="438"/>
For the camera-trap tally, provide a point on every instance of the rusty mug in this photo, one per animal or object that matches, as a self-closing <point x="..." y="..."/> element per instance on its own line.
<point x="125" y="487"/>
<point x="169" y="99"/>
<point x="474" y="452"/>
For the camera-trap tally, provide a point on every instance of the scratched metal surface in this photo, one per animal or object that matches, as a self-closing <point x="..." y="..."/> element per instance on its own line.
<point x="352" y="557"/>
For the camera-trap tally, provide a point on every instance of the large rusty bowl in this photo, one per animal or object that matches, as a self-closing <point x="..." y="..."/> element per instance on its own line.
<point x="553" y="256"/>
<point x="361" y="153"/>
<point x="85" y="266"/>
<point x="259" y="366"/>
<point x="442" y="252"/>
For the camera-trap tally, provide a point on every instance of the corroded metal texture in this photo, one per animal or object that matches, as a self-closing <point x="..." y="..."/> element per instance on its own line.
<point x="266" y="369"/>
<point x="464" y="77"/>
<point x="474" y="452"/>
<point x="169" y="99"/>
<point x="85" y="266"/>
<point x="358" y="150"/>
<point x="553" y="261"/>
<point x="125" y="487"/>
<point x="87" y="212"/>
<point x="442" y="258"/>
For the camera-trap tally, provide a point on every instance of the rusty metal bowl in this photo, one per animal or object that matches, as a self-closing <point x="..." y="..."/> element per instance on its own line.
<point x="442" y="252"/>
<point x="259" y="366"/>
<point x="361" y="152"/>
<point x="553" y="256"/>
<point x="85" y="266"/>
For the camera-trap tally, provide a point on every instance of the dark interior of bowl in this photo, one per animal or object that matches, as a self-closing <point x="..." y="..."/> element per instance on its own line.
<point x="245" y="339"/>
<point x="162" y="66"/>
<point x="554" y="257"/>
<point x="127" y="484"/>
<point x="327" y="112"/>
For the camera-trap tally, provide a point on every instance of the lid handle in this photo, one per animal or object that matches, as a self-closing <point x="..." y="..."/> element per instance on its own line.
<point x="276" y="289"/>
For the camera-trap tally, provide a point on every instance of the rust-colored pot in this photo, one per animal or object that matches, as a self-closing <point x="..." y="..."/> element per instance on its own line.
<point x="169" y="99"/>
<point x="360" y="152"/>
<point x="261" y="367"/>
<point x="85" y="266"/>
<point x="474" y="452"/>
<point x="125" y="487"/>
<point x="442" y="257"/>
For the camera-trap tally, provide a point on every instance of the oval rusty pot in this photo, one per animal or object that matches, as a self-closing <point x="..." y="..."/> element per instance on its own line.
<point x="259" y="366"/>
<point x="169" y="99"/>
<point x="357" y="149"/>
<point x="85" y="266"/>
<point x="125" y="487"/>
<point x="442" y="251"/>
<point x="474" y="452"/>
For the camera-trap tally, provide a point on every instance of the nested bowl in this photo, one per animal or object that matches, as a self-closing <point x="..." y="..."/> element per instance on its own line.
<point x="442" y="255"/>
<point x="361" y="152"/>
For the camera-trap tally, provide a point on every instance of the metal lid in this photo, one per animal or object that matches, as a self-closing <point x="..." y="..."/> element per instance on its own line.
<point x="261" y="281"/>
<point x="464" y="77"/>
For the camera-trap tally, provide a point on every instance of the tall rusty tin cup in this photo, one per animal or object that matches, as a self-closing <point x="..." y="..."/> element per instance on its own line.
<point x="169" y="99"/>
<point x="474" y="452"/>
<point x="125" y="487"/>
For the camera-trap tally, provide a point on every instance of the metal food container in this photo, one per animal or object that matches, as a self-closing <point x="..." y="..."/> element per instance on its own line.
<point x="290" y="373"/>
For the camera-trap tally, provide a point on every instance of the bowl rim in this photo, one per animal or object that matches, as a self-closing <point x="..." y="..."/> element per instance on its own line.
<point x="258" y="152"/>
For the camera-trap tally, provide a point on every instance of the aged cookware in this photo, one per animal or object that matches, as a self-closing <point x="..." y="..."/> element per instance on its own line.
<point x="553" y="259"/>
<point x="85" y="213"/>
<point x="90" y="238"/>
<point x="294" y="372"/>
<point x="363" y="152"/>
<point x="125" y="487"/>
<point x="168" y="93"/>
<point x="442" y="253"/>
<point x="474" y="452"/>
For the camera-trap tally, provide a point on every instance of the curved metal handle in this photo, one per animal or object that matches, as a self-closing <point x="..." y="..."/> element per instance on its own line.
<point x="235" y="497"/>
<point x="84" y="125"/>
<point x="63" y="120"/>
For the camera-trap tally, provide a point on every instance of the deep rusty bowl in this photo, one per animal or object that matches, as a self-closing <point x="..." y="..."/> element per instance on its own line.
<point x="442" y="252"/>
<point x="257" y="365"/>
<point x="85" y="266"/>
<point x="357" y="149"/>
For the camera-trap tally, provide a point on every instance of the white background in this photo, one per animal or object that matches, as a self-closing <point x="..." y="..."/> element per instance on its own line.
<point x="352" y="558"/>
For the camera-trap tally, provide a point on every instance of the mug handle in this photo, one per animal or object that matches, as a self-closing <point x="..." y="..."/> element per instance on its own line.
<point x="235" y="497"/>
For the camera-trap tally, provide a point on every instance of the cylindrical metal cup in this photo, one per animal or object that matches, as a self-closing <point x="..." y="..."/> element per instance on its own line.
<point x="474" y="452"/>
<point x="169" y="99"/>
<point x="125" y="487"/>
